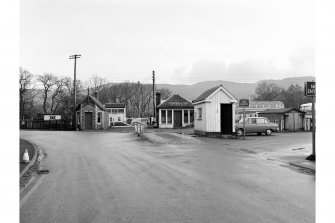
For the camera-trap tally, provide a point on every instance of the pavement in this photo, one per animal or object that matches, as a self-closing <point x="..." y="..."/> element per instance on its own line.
<point x="113" y="177"/>
<point x="303" y="163"/>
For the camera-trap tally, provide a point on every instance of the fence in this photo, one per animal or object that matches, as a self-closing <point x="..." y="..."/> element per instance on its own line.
<point x="46" y="125"/>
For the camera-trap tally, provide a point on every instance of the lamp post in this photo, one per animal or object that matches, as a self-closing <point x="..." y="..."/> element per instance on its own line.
<point x="75" y="57"/>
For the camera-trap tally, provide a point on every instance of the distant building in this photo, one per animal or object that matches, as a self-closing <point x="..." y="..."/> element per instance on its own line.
<point x="214" y="112"/>
<point x="255" y="107"/>
<point x="307" y="108"/>
<point x="289" y="119"/>
<point x="91" y="114"/>
<point x="116" y="112"/>
<point x="175" y="112"/>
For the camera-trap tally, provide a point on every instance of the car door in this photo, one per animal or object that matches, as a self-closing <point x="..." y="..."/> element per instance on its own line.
<point x="261" y="125"/>
<point x="250" y="125"/>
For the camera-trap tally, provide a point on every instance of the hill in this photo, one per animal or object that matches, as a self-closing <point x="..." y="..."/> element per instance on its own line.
<point x="239" y="90"/>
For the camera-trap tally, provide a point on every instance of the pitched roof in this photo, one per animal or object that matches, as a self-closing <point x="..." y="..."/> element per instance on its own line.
<point x="96" y="101"/>
<point x="207" y="93"/>
<point x="176" y="101"/>
<point x="279" y="111"/>
<point x="115" y="105"/>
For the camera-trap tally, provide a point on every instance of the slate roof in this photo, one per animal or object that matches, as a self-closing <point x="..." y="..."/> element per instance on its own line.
<point x="205" y="94"/>
<point x="279" y="111"/>
<point x="115" y="105"/>
<point x="96" y="101"/>
<point x="176" y="101"/>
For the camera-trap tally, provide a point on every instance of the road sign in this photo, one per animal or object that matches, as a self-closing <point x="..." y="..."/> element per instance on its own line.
<point x="244" y="103"/>
<point x="310" y="89"/>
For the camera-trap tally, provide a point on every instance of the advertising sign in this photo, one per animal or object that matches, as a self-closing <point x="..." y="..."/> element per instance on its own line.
<point x="310" y="89"/>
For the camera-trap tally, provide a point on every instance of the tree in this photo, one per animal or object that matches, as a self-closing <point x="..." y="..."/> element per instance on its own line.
<point x="56" y="97"/>
<point x="96" y="83"/>
<point x="267" y="91"/>
<point x="27" y="85"/>
<point x="48" y="81"/>
<point x="293" y="96"/>
<point x="165" y="93"/>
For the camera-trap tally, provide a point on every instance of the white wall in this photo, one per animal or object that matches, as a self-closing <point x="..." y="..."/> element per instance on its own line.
<point x="214" y="111"/>
<point x="200" y="124"/>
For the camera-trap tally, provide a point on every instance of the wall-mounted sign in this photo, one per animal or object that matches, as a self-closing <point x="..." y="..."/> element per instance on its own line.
<point x="310" y="89"/>
<point x="244" y="103"/>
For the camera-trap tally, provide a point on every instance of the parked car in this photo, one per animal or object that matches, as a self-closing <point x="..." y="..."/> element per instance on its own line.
<point x="257" y="125"/>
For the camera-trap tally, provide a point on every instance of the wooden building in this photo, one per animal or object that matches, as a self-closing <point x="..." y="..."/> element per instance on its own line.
<point x="214" y="112"/>
<point x="116" y="112"/>
<point x="91" y="114"/>
<point x="175" y="112"/>
<point x="288" y="119"/>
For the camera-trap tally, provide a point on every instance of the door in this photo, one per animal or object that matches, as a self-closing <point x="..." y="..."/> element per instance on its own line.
<point x="177" y="119"/>
<point x="88" y="120"/>
<point x="226" y="118"/>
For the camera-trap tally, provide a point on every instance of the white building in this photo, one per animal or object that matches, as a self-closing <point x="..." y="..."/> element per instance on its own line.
<point x="116" y="112"/>
<point x="175" y="112"/>
<point x="214" y="112"/>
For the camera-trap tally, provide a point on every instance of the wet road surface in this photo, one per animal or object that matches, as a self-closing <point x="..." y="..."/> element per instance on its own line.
<point x="112" y="177"/>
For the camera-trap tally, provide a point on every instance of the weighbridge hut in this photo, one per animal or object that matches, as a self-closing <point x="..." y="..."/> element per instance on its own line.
<point x="214" y="112"/>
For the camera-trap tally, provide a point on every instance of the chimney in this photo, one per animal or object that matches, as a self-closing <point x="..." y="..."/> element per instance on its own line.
<point x="96" y="94"/>
<point x="158" y="98"/>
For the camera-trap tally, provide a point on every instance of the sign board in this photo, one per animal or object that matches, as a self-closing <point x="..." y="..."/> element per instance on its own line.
<point x="310" y="89"/>
<point x="244" y="103"/>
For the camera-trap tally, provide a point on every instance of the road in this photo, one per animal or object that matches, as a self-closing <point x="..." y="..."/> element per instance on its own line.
<point x="112" y="177"/>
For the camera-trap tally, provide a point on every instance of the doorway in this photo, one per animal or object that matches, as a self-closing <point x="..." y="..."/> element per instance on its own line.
<point x="88" y="121"/>
<point x="177" y="119"/>
<point x="226" y="118"/>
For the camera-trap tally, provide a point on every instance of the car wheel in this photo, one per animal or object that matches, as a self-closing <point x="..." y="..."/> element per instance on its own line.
<point x="239" y="132"/>
<point x="268" y="132"/>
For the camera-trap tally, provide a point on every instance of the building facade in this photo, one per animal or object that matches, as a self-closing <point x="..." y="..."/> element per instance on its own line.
<point x="175" y="112"/>
<point x="91" y="114"/>
<point x="214" y="112"/>
<point x="288" y="119"/>
<point x="116" y="112"/>
<point x="255" y="107"/>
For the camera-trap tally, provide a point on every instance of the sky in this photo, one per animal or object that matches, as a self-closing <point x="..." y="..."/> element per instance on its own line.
<point x="184" y="41"/>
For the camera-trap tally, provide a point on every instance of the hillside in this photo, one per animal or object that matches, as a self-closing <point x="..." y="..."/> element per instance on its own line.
<point x="239" y="90"/>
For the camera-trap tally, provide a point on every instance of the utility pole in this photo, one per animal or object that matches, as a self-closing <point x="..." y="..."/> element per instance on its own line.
<point x="153" y="93"/>
<point x="75" y="57"/>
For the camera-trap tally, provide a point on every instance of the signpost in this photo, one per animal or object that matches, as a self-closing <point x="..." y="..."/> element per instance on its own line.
<point x="244" y="103"/>
<point x="310" y="91"/>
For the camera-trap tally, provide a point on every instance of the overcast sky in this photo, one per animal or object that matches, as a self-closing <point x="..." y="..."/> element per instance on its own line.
<point x="183" y="41"/>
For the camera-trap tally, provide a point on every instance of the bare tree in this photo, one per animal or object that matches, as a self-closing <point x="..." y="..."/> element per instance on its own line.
<point x="267" y="91"/>
<point x="96" y="83"/>
<point x="27" y="85"/>
<point x="56" y="97"/>
<point x="48" y="81"/>
<point x="165" y="93"/>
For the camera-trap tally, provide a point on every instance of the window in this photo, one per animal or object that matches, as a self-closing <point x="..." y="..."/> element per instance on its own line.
<point x="109" y="110"/>
<point x="163" y="118"/>
<point x="186" y="116"/>
<point x="260" y="121"/>
<point x="99" y="117"/>
<point x="119" y="119"/>
<point x="192" y="116"/>
<point x="169" y="116"/>
<point x="120" y="111"/>
<point x="114" y="111"/>
<point x="199" y="113"/>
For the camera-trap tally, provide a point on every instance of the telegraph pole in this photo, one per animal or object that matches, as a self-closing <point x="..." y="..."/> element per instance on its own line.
<point x="153" y="93"/>
<point x="75" y="57"/>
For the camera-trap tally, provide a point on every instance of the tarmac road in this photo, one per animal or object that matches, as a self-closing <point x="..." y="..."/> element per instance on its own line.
<point x="112" y="177"/>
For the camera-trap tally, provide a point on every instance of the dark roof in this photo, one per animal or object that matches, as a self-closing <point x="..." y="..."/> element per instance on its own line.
<point x="115" y="105"/>
<point x="176" y="101"/>
<point x="205" y="94"/>
<point x="96" y="101"/>
<point x="279" y="111"/>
